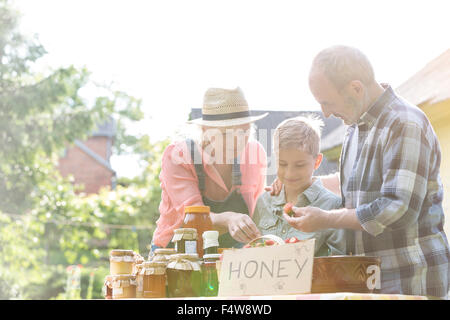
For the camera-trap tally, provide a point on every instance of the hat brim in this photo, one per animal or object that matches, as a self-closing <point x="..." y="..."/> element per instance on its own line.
<point x="227" y="122"/>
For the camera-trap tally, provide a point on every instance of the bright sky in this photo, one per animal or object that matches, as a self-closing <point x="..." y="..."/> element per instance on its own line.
<point x="169" y="52"/>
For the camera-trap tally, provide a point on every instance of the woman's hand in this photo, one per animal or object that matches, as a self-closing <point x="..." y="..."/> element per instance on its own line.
<point x="242" y="228"/>
<point x="275" y="188"/>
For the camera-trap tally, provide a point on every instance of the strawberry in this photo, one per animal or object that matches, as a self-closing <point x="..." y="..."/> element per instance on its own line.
<point x="288" y="209"/>
<point x="269" y="242"/>
<point x="291" y="240"/>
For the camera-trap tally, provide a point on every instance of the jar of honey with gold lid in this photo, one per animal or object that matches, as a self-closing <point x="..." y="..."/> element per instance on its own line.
<point x="199" y="218"/>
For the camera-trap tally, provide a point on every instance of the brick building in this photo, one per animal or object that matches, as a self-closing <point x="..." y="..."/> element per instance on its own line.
<point x="89" y="161"/>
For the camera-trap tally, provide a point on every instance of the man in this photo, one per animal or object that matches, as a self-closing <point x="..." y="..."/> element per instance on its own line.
<point x="389" y="177"/>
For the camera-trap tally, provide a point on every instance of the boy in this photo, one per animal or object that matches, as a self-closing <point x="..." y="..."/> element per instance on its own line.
<point x="297" y="145"/>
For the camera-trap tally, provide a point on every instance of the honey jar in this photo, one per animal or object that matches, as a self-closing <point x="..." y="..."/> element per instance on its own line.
<point x="185" y="240"/>
<point x="121" y="262"/>
<point x="199" y="218"/>
<point x="184" y="277"/>
<point x="123" y="286"/>
<point x="154" y="279"/>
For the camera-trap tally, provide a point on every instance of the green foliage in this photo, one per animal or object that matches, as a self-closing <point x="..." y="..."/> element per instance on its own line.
<point x="45" y="225"/>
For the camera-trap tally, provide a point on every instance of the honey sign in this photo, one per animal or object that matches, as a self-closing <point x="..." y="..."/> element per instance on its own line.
<point x="274" y="270"/>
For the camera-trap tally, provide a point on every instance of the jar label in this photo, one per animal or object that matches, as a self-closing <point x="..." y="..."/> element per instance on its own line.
<point x="190" y="246"/>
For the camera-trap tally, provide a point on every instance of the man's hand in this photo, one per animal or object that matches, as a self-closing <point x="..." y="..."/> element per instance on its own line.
<point x="242" y="228"/>
<point x="275" y="187"/>
<point x="309" y="219"/>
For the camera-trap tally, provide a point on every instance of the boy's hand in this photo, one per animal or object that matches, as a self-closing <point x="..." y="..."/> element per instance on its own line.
<point x="275" y="187"/>
<point x="308" y="219"/>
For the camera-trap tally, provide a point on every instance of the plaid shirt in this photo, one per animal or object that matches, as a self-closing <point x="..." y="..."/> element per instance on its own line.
<point x="396" y="189"/>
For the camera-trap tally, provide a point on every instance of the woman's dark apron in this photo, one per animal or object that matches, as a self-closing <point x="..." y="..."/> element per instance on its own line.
<point x="233" y="202"/>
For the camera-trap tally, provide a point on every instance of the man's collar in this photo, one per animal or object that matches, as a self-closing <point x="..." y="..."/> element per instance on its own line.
<point x="372" y="114"/>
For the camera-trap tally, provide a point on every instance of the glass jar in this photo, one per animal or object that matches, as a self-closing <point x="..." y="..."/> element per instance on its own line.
<point x="139" y="281"/>
<point x="123" y="286"/>
<point x="198" y="217"/>
<point x="154" y="276"/>
<point x="185" y="240"/>
<point x="184" y="277"/>
<point x="210" y="242"/>
<point x="210" y="281"/>
<point x="163" y="254"/>
<point x="121" y="262"/>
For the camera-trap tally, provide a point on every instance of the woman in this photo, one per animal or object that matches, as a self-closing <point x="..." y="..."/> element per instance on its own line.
<point x="225" y="171"/>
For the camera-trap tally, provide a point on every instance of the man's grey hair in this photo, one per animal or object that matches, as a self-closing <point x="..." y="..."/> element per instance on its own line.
<point x="342" y="64"/>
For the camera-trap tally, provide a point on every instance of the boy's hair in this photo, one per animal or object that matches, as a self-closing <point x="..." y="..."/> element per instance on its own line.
<point x="299" y="133"/>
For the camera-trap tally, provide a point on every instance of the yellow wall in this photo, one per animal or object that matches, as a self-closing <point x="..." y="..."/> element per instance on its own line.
<point x="439" y="115"/>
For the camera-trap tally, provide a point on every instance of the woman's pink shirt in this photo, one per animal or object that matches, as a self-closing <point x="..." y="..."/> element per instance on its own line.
<point x="179" y="184"/>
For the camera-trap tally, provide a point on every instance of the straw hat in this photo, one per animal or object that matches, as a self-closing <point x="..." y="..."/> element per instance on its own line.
<point x="225" y="108"/>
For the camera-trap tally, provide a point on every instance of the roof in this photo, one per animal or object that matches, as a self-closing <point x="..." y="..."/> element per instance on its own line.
<point x="94" y="156"/>
<point x="431" y="84"/>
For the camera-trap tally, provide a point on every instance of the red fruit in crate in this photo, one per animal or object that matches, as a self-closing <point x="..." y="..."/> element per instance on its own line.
<point x="288" y="209"/>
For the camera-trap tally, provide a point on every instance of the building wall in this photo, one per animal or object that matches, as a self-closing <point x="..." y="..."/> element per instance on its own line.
<point x="84" y="168"/>
<point x="439" y="115"/>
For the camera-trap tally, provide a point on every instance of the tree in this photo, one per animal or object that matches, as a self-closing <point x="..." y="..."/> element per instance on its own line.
<point x="40" y="114"/>
<point x="44" y="224"/>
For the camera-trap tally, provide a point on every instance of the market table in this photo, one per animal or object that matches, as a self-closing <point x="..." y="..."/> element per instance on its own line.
<point x="312" y="296"/>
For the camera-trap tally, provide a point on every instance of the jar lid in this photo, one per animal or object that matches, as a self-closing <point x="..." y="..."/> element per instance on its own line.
<point x="165" y="251"/>
<point x="212" y="256"/>
<point x="120" y="252"/>
<point x="116" y="277"/>
<point x="210" y="235"/>
<point x="121" y="280"/>
<point x="196" y="209"/>
<point x="189" y="256"/>
<point x="184" y="233"/>
<point x="184" y="261"/>
<point x="156" y="264"/>
<point x="210" y="238"/>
